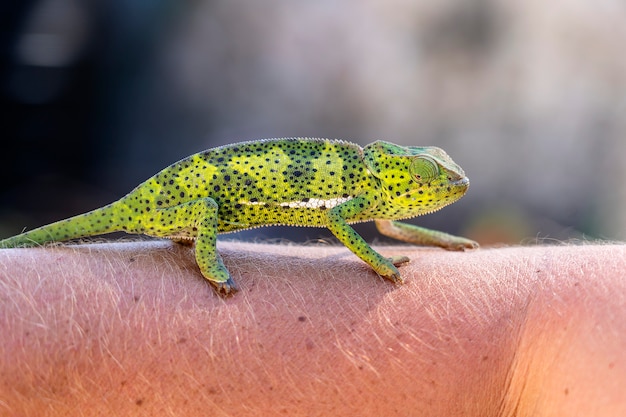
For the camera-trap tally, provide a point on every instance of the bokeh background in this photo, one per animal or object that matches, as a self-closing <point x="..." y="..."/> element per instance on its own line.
<point x="528" y="97"/>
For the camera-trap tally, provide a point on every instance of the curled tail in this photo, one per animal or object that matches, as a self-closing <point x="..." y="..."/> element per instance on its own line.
<point x="103" y="220"/>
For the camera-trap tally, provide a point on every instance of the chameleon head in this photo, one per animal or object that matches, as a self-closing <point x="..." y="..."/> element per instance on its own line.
<point x="415" y="180"/>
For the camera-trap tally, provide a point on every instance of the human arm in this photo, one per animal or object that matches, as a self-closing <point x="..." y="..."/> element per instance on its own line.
<point x="133" y="329"/>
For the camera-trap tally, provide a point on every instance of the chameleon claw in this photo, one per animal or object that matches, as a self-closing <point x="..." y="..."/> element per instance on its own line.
<point x="225" y="288"/>
<point x="472" y="245"/>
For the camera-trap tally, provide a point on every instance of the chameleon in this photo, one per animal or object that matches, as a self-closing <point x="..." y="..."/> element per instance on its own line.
<point x="286" y="181"/>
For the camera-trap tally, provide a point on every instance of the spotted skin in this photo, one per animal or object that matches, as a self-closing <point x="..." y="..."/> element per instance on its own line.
<point x="292" y="181"/>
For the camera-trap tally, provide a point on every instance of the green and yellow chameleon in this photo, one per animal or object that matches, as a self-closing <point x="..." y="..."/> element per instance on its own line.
<point x="289" y="181"/>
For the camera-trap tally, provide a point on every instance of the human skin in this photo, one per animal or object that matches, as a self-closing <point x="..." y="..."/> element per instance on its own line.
<point x="132" y="328"/>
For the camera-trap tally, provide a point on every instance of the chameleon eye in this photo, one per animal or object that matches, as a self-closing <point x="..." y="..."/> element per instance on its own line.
<point x="423" y="169"/>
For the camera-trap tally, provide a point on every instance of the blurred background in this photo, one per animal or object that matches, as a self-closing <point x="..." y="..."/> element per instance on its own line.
<point x="528" y="97"/>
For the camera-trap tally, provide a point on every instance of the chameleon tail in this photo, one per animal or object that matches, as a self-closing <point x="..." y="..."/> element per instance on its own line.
<point x="99" y="221"/>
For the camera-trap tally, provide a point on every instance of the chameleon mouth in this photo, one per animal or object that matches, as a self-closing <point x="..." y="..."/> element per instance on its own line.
<point x="463" y="182"/>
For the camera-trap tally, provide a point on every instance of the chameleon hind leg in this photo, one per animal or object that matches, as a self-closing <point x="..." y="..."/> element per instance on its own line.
<point x="421" y="236"/>
<point x="350" y="238"/>
<point x="198" y="219"/>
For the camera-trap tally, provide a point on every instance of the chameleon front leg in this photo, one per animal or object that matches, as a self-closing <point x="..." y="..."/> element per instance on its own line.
<point x="336" y="223"/>
<point x="422" y="236"/>
<point x="198" y="218"/>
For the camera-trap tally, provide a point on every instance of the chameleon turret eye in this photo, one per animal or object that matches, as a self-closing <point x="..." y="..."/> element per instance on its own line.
<point x="423" y="169"/>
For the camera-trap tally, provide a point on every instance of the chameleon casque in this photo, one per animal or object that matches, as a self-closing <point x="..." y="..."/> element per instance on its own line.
<point x="290" y="181"/>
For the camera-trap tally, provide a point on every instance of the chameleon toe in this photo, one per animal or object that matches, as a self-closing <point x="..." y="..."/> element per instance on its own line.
<point x="225" y="288"/>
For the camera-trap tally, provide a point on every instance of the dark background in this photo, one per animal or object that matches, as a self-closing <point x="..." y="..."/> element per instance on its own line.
<point x="529" y="98"/>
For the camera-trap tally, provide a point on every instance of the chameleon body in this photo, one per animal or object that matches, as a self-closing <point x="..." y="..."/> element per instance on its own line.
<point x="292" y="181"/>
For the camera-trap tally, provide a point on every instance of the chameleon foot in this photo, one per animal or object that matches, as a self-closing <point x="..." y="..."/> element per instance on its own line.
<point x="390" y="272"/>
<point x="225" y="288"/>
<point x="183" y="241"/>
<point x="395" y="278"/>
<point x="399" y="260"/>
<point x="460" y="244"/>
